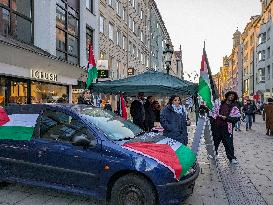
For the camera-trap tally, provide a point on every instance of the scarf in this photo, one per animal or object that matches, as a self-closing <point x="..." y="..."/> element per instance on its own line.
<point x="178" y="109"/>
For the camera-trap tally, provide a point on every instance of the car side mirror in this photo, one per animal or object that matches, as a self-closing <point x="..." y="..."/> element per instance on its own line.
<point x="81" y="140"/>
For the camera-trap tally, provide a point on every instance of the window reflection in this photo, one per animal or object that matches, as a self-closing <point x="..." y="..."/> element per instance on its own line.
<point x="47" y="93"/>
<point x="2" y="91"/>
<point x="18" y="93"/>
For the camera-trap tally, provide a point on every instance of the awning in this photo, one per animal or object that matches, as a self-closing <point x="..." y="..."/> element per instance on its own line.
<point x="150" y="82"/>
<point x="23" y="58"/>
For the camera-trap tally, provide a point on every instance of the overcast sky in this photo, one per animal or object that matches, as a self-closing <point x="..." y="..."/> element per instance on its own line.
<point x="190" y="22"/>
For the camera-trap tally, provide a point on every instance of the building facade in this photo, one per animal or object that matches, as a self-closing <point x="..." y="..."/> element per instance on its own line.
<point x="132" y="37"/>
<point x="43" y="46"/>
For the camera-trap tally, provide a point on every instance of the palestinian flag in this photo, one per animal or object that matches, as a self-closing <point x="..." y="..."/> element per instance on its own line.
<point x="17" y="126"/>
<point x="206" y="88"/>
<point x="92" y="69"/>
<point x="168" y="152"/>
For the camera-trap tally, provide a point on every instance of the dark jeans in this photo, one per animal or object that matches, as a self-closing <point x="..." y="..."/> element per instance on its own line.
<point x="248" y="120"/>
<point x="221" y="134"/>
<point x="253" y="117"/>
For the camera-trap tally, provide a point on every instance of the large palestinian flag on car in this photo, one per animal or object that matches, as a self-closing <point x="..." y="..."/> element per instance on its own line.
<point x="166" y="151"/>
<point x="16" y="126"/>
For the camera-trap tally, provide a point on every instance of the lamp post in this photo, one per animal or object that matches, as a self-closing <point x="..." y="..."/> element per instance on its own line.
<point x="168" y="57"/>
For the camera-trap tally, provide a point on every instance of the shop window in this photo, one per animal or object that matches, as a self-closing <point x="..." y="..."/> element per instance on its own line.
<point x="47" y="93"/>
<point x="2" y="91"/>
<point x="67" y="30"/>
<point x="89" y="5"/>
<point x="17" y="19"/>
<point x="18" y="92"/>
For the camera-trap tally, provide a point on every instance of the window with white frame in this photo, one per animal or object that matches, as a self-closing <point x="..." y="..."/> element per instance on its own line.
<point x="141" y="36"/>
<point x="130" y="47"/>
<point x="118" y="38"/>
<point x="134" y="3"/>
<point x="134" y="26"/>
<point x="268" y="72"/>
<point x="141" y="14"/>
<point x="268" y="52"/>
<point x="261" y="38"/>
<point x="124" y="42"/>
<point x="111" y="31"/>
<point x="123" y="13"/>
<point x="134" y="51"/>
<point x="261" y="55"/>
<point x="111" y="3"/>
<point x="130" y="23"/>
<point x="102" y="24"/>
<point x="261" y="75"/>
<point x="142" y="58"/>
<point x="89" y="5"/>
<point x="118" y="9"/>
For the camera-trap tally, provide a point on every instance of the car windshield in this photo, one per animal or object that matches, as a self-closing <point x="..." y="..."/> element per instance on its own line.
<point x="112" y="125"/>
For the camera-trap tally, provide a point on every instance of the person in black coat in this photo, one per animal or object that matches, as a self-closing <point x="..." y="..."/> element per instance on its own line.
<point x="149" y="114"/>
<point x="173" y="119"/>
<point x="85" y="98"/>
<point x="137" y="111"/>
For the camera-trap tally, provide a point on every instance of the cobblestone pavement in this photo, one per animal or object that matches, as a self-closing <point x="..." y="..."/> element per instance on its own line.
<point x="253" y="149"/>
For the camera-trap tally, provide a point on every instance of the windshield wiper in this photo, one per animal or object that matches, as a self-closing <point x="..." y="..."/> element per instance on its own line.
<point x="125" y="138"/>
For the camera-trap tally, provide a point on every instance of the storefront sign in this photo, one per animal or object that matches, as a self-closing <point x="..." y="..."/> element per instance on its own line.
<point x="102" y="65"/>
<point x="103" y="73"/>
<point x="41" y="75"/>
<point x="131" y="71"/>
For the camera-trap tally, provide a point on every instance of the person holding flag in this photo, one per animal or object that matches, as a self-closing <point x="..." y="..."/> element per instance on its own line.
<point x="223" y="115"/>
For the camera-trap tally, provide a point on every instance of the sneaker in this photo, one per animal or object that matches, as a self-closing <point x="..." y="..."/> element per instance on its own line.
<point x="246" y="129"/>
<point x="235" y="129"/>
<point x="234" y="161"/>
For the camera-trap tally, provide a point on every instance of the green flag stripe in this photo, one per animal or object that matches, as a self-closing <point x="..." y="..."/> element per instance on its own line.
<point x="205" y="92"/>
<point x="16" y="132"/>
<point x="186" y="158"/>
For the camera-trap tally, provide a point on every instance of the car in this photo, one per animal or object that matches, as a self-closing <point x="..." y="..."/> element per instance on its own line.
<point x="91" y="151"/>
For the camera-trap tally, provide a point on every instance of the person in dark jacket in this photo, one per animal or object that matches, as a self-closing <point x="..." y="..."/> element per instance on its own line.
<point x="173" y="119"/>
<point x="85" y="98"/>
<point x="225" y="115"/>
<point x="156" y="109"/>
<point x="137" y="110"/>
<point x="249" y="110"/>
<point x="149" y="114"/>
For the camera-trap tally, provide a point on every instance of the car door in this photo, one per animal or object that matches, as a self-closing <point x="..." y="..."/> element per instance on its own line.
<point x="62" y="162"/>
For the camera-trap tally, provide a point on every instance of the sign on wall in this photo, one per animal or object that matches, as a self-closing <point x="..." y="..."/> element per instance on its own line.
<point x="41" y="75"/>
<point x="131" y="71"/>
<point x="103" y="73"/>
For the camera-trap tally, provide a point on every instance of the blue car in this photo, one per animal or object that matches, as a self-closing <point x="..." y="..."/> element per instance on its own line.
<point x="91" y="151"/>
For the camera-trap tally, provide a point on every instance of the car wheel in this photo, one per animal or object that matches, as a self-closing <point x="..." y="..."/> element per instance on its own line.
<point x="133" y="189"/>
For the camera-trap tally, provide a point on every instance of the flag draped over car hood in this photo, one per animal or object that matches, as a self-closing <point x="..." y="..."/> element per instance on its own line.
<point x="17" y="126"/>
<point x="166" y="151"/>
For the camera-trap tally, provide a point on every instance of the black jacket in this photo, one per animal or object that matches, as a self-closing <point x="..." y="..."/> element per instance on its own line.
<point x="137" y="112"/>
<point x="81" y="100"/>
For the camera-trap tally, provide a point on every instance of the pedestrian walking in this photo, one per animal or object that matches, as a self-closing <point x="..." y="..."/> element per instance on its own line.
<point x="137" y="111"/>
<point x="149" y="114"/>
<point x="255" y="110"/>
<point x="238" y="124"/>
<point x="173" y="119"/>
<point x="224" y="116"/>
<point x="268" y="116"/>
<point x="248" y="110"/>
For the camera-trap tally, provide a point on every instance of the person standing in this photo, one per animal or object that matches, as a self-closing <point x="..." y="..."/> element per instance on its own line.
<point x="149" y="114"/>
<point x="268" y="116"/>
<point x="224" y="116"/>
<point x="248" y="109"/>
<point x="85" y="98"/>
<point x="254" y="111"/>
<point x="137" y="111"/>
<point x="173" y="119"/>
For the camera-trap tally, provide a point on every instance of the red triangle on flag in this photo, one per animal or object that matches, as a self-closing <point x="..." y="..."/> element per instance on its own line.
<point x="4" y="118"/>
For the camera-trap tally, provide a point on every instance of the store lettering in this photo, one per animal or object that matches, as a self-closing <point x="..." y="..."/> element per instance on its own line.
<point x="44" y="75"/>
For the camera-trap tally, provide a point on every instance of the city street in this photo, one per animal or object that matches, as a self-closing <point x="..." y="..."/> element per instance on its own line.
<point x="253" y="149"/>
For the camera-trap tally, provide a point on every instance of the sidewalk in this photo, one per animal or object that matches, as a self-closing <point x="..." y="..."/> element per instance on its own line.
<point x="254" y="151"/>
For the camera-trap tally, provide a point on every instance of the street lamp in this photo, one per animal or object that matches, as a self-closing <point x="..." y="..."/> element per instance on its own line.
<point x="168" y="57"/>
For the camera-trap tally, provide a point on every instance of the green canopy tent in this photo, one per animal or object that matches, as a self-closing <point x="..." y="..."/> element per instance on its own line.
<point x="149" y="82"/>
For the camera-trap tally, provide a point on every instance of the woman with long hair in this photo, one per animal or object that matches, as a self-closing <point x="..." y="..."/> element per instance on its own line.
<point x="173" y="119"/>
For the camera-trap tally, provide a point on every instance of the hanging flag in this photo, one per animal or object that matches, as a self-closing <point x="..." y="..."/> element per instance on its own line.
<point x="123" y="108"/>
<point x="206" y="89"/>
<point x="91" y="68"/>
<point x="17" y="126"/>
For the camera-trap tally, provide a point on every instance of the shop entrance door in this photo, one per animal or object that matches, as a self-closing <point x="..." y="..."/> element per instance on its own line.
<point x="18" y="92"/>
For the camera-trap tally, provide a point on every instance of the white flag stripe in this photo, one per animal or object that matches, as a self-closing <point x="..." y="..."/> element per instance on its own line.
<point x="171" y="142"/>
<point x="24" y="120"/>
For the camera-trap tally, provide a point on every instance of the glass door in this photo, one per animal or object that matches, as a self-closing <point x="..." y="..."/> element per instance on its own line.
<point x="18" y="92"/>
